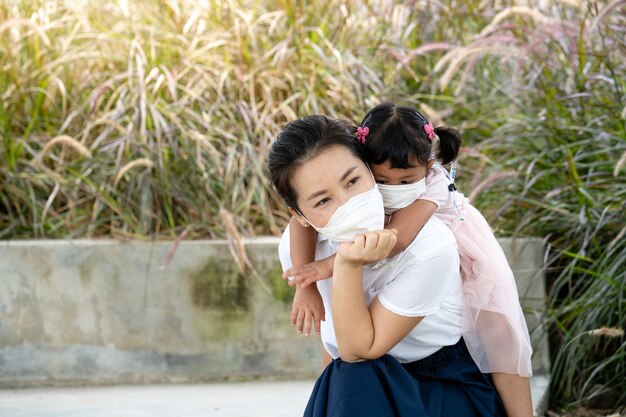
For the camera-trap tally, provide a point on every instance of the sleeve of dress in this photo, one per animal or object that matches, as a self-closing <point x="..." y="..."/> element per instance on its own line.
<point x="284" y="253"/>
<point x="421" y="286"/>
<point x="436" y="188"/>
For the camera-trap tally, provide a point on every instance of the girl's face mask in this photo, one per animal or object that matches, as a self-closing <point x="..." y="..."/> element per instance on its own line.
<point x="396" y="197"/>
<point x="362" y="213"/>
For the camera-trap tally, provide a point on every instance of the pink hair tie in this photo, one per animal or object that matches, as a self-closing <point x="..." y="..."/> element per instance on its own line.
<point x="361" y="134"/>
<point x="430" y="131"/>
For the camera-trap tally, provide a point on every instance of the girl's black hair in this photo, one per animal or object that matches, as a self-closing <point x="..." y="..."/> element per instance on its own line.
<point x="397" y="135"/>
<point x="301" y="141"/>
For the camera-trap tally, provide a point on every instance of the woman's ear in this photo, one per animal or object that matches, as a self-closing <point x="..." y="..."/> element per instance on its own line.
<point x="299" y="218"/>
<point x="430" y="164"/>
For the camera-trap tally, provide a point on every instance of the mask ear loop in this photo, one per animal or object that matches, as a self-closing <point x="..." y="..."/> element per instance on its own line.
<point x="308" y="223"/>
<point x="371" y="173"/>
<point x="452" y="188"/>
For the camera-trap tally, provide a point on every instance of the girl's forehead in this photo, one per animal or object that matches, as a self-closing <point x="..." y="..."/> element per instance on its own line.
<point x="386" y="167"/>
<point x="412" y="160"/>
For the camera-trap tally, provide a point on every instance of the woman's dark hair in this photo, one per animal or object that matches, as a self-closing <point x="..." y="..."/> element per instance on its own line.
<point x="301" y="141"/>
<point x="397" y="135"/>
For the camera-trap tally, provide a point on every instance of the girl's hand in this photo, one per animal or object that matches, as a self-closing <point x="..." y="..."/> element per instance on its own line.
<point x="367" y="248"/>
<point x="307" y="307"/>
<point x="309" y="273"/>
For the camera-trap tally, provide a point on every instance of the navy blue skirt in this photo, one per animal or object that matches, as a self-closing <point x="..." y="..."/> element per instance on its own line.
<point x="446" y="384"/>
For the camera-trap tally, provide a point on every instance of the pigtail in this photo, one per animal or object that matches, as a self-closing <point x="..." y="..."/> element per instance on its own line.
<point x="449" y="144"/>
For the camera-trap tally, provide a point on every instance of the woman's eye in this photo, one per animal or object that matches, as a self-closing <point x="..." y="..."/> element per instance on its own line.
<point x="322" y="202"/>
<point x="353" y="181"/>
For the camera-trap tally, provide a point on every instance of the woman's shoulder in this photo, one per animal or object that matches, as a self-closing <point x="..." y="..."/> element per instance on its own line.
<point x="426" y="274"/>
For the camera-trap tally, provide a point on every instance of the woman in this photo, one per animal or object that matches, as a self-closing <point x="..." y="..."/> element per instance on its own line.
<point x="392" y="330"/>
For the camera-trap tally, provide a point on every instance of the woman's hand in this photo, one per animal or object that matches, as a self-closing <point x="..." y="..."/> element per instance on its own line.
<point x="367" y="248"/>
<point x="364" y="331"/>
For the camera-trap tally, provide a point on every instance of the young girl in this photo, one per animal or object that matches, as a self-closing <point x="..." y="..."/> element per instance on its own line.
<point x="398" y="143"/>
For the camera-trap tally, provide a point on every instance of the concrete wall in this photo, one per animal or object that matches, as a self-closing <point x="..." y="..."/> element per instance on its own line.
<point x="94" y="312"/>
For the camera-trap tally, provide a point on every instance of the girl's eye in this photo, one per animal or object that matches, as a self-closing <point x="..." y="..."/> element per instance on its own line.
<point x="322" y="202"/>
<point x="353" y="181"/>
<point x="406" y="182"/>
<point x="381" y="182"/>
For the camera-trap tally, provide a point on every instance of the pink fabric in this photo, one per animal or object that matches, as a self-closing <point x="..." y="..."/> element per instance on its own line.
<point x="493" y="323"/>
<point x="437" y="192"/>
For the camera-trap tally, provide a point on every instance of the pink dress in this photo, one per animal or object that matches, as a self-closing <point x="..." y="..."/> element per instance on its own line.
<point x="493" y="323"/>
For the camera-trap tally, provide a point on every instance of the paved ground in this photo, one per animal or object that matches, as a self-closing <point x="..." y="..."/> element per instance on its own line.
<point x="254" y="399"/>
<point x="249" y="399"/>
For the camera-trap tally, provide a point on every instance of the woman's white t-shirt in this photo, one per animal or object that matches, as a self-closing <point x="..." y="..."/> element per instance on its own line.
<point x="422" y="280"/>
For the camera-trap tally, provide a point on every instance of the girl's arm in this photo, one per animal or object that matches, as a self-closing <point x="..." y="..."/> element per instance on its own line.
<point x="307" y="304"/>
<point x="364" y="333"/>
<point x="305" y="270"/>
<point x="409" y="221"/>
<point x="303" y="276"/>
<point x="302" y="241"/>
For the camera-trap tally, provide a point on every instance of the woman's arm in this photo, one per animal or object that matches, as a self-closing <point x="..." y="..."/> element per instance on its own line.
<point x="414" y="292"/>
<point x="409" y="221"/>
<point x="326" y="358"/>
<point x="362" y="332"/>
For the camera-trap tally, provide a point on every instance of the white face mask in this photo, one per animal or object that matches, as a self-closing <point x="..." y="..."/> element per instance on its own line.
<point x="396" y="197"/>
<point x="362" y="213"/>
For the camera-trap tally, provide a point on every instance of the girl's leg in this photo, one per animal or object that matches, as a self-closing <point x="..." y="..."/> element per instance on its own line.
<point x="452" y="385"/>
<point x="497" y="338"/>
<point x="514" y="391"/>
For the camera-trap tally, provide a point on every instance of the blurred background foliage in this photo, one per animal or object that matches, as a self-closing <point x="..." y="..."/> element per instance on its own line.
<point x="153" y="119"/>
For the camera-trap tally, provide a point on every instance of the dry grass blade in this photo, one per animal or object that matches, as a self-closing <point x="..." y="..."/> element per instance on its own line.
<point x="489" y="181"/>
<point x="63" y="140"/>
<point x="605" y="12"/>
<point x="460" y="55"/>
<point x="14" y="24"/>
<point x="172" y="250"/>
<point x="607" y="331"/>
<point x="238" y="250"/>
<point x="141" y="162"/>
<point x="539" y="18"/>
<point x="620" y="164"/>
<point x="49" y="201"/>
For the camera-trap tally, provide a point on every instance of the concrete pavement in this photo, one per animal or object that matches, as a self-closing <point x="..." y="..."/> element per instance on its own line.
<point x="241" y="399"/>
<point x="250" y="399"/>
